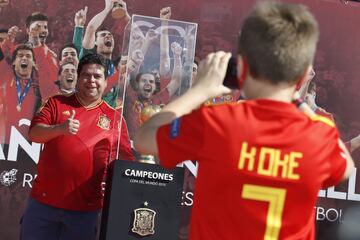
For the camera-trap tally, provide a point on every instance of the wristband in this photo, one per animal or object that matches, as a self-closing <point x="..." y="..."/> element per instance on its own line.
<point x="298" y="102"/>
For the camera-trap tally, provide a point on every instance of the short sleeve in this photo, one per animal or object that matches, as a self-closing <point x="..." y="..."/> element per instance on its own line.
<point x="46" y="114"/>
<point x="181" y="140"/>
<point x="335" y="159"/>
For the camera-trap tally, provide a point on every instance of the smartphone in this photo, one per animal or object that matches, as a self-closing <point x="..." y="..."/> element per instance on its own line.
<point x="231" y="77"/>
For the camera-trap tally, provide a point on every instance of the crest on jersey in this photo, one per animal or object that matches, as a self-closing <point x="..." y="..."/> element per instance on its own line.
<point x="66" y="113"/>
<point x="8" y="177"/>
<point x="144" y="221"/>
<point x="104" y="122"/>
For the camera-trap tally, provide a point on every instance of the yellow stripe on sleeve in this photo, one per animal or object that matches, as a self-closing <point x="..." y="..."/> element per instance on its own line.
<point x="325" y="120"/>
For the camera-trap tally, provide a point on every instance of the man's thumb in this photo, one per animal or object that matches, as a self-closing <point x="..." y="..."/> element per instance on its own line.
<point x="72" y="114"/>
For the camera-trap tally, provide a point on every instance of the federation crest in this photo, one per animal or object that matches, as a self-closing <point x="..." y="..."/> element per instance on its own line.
<point x="144" y="221"/>
<point x="104" y="122"/>
<point x="8" y="177"/>
<point x="66" y="113"/>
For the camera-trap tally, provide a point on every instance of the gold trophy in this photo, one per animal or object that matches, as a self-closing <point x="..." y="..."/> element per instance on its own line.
<point x="145" y="114"/>
<point x="118" y="10"/>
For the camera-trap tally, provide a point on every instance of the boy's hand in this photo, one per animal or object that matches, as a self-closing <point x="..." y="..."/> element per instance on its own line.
<point x="211" y="74"/>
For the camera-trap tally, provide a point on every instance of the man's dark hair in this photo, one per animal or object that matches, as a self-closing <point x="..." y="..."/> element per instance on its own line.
<point x="3" y="30"/>
<point x="278" y="41"/>
<point x="62" y="67"/>
<point x="92" y="58"/>
<point x="22" y="47"/>
<point x="101" y="29"/>
<point x="36" y="16"/>
<point x="156" y="78"/>
<point x="68" y="45"/>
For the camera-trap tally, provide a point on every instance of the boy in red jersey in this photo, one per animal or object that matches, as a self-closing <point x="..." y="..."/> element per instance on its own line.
<point x="261" y="161"/>
<point x="80" y="133"/>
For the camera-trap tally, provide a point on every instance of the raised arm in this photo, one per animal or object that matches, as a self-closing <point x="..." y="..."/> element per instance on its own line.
<point x="94" y="24"/>
<point x="8" y="45"/>
<point x="177" y="70"/>
<point x="165" y="14"/>
<point x="209" y="84"/>
<point x="79" y="21"/>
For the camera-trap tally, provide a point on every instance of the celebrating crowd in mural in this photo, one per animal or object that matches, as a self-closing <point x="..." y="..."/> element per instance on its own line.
<point x="99" y="70"/>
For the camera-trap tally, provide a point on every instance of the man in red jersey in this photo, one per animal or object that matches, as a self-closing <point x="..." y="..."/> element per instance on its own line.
<point x="80" y="132"/>
<point x="19" y="91"/>
<point x="260" y="166"/>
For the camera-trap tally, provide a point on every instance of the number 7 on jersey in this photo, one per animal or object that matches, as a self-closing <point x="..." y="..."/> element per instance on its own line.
<point x="276" y="199"/>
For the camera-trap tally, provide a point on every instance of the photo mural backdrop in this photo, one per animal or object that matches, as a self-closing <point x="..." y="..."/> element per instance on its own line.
<point x="337" y="91"/>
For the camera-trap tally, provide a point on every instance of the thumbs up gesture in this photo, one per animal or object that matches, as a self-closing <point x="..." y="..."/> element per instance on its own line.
<point x="71" y="125"/>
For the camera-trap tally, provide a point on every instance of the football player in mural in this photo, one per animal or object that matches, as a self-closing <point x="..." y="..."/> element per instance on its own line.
<point x="69" y="54"/>
<point x="260" y="166"/>
<point x="101" y="40"/>
<point x="149" y="91"/>
<point x="37" y="29"/>
<point x="19" y="90"/>
<point x="66" y="197"/>
<point x="67" y="78"/>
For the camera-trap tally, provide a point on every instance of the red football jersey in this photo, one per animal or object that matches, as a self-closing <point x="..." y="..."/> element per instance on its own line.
<point x="322" y="112"/>
<point x="11" y="114"/>
<point x="261" y="165"/>
<point x="72" y="168"/>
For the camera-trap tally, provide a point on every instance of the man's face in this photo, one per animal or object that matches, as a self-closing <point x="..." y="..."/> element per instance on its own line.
<point x="147" y="86"/>
<point x="91" y="82"/>
<point x="23" y="63"/>
<point x="104" y="42"/>
<point x="3" y="36"/>
<point x="69" y="55"/>
<point x="68" y="77"/>
<point x="41" y="27"/>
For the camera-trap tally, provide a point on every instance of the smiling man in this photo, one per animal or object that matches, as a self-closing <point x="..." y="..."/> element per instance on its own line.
<point x="66" y="197"/>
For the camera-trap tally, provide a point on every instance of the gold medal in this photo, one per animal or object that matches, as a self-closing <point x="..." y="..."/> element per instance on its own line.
<point x="18" y="107"/>
<point x="144" y="221"/>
